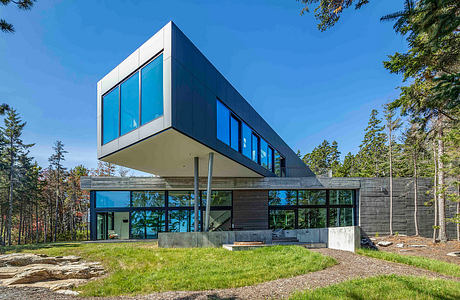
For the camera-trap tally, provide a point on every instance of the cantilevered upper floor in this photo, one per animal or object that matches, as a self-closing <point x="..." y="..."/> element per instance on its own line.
<point x="166" y="104"/>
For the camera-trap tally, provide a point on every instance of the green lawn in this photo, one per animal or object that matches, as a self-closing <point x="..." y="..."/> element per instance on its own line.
<point x="139" y="268"/>
<point x="387" y="287"/>
<point x="416" y="261"/>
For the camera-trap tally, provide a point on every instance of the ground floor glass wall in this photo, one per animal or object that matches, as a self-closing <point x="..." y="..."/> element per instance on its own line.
<point x="143" y="214"/>
<point x="303" y="209"/>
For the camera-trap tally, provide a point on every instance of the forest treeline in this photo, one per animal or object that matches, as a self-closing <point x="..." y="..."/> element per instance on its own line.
<point x="429" y="104"/>
<point x="41" y="204"/>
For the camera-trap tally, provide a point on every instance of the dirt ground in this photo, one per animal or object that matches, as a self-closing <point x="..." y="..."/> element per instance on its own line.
<point x="431" y="250"/>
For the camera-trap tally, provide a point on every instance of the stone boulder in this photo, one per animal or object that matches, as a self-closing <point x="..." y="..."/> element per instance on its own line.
<point x="56" y="273"/>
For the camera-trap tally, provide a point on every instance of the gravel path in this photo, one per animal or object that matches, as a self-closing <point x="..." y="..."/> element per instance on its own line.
<point x="350" y="266"/>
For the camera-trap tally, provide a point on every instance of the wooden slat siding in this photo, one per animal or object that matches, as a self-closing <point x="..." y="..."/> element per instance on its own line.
<point x="375" y="206"/>
<point x="250" y="209"/>
<point x="178" y="183"/>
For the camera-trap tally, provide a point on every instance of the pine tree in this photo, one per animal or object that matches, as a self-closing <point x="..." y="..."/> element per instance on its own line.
<point x="58" y="169"/>
<point x="13" y="148"/>
<point x="372" y="153"/>
<point x="324" y="158"/>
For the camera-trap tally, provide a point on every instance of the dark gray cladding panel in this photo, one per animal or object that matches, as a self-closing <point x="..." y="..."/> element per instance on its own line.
<point x="196" y="84"/>
<point x="250" y="209"/>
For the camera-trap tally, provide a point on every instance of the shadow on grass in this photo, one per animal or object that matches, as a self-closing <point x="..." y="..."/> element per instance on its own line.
<point x="21" y="248"/>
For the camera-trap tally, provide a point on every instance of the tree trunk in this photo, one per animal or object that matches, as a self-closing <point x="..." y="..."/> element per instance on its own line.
<point x="435" y="191"/>
<point x="37" y="236"/>
<point x="415" y="195"/>
<point x="57" y="205"/>
<point x="10" y="199"/>
<point x="441" y="187"/>
<point x="20" y="224"/>
<point x="458" y="214"/>
<point x="391" y="181"/>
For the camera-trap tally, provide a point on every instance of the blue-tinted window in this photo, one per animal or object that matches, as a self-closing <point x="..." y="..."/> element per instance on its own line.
<point x="270" y="159"/>
<point x="181" y="220"/>
<point x="277" y="161"/>
<point x="129" y="104"/>
<point x="110" y="105"/>
<point x="288" y="197"/>
<point x="263" y="153"/>
<point x="234" y="133"/>
<point x="148" y="199"/>
<point x="223" y="123"/>
<point x="147" y="224"/>
<point x="340" y="197"/>
<point x="180" y="198"/>
<point x="112" y="199"/>
<point x="246" y="140"/>
<point x="152" y="90"/>
<point x="255" y="148"/>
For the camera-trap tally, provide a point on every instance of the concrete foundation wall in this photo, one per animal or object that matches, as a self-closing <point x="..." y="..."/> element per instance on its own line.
<point x="344" y="238"/>
<point x="211" y="239"/>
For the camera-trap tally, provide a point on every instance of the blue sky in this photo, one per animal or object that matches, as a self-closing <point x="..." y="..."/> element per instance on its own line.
<point x="308" y="85"/>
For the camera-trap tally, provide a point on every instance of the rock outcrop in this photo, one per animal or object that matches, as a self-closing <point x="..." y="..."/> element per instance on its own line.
<point x="59" y="273"/>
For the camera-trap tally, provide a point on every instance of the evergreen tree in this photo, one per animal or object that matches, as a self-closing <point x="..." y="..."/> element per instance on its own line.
<point x="372" y="153"/>
<point x="13" y="149"/>
<point x="58" y="169"/>
<point x="324" y="158"/>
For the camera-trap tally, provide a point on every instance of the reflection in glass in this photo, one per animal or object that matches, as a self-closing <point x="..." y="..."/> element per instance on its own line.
<point x="220" y="220"/>
<point x="282" y="219"/>
<point x="223" y="123"/>
<point x="277" y="161"/>
<point x="147" y="224"/>
<point x="315" y="197"/>
<point x="341" y="197"/>
<point x="312" y="218"/>
<point x="112" y="199"/>
<point x="246" y="140"/>
<point x="180" y="198"/>
<point x="270" y="159"/>
<point x="288" y="197"/>
<point x="181" y="220"/>
<point x="129" y="104"/>
<point x="112" y="225"/>
<point x="218" y="198"/>
<point x="148" y="199"/>
<point x="152" y="90"/>
<point x="255" y="148"/>
<point x="110" y="108"/>
<point x="339" y="217"/>
<point x="263" y="153"/>
<point x="235" y="134"/>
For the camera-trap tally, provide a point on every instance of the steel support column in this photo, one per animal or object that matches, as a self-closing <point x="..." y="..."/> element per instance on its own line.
<point x="196" y="192"/>
<point x="208" y="192"/>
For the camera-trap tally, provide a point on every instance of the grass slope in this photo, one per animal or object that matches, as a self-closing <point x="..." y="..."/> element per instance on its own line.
<point x="416" y="261"/>
<point x="387" y="287"/>
<point x="140" y="268"/>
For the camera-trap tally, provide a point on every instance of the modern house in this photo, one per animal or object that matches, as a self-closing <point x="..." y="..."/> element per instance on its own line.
<point x="166" y="110"/>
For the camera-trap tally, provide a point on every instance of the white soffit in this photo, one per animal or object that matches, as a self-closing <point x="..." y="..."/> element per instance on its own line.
<point x="170" y="154"/>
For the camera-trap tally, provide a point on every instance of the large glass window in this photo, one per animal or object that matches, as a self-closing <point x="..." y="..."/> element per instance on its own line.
<point x="270" y="159"/>
<point x="312" y="197"/>
<point x="146" y="224"/>
<point x="341" y="216"/>
<point x="235" y="134"/>
<point x="311" y="208"/>
<point x="246" y="140"/>
<point x="180" y="198"/>
<point x="277" y="161"/>
<point x="110" y="114"/>
<point x="263" y="153"/>
<point x="340" y="197"/>
<point x="220" y="220"/>
<point x="288" y="197"/>
<point x="148" y="199"/>
<point x="181" y="220"/>
<point x="112" y="199"/>
<point x="223" y="123"/>
<point x="152" y="90"/>
<point x="282" y="219"/>
<point x="312" y="218"/>
<point x="218" y="198"/>
<point x="255" y="148"/>
<point x="129" y="104"/>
